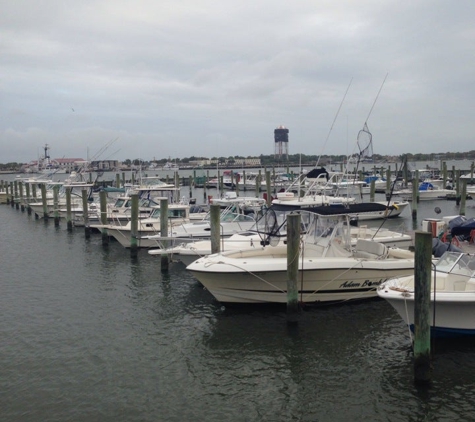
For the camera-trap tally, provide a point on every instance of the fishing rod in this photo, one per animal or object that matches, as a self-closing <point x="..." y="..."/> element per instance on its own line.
<point x="376" y="99"/>
<point x="334" y="120"/>
<point x="389" y="201"/>
<point x="365" y="126"/>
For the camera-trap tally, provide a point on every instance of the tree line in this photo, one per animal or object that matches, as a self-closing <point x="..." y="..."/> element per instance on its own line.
<point x="291" y="160"/>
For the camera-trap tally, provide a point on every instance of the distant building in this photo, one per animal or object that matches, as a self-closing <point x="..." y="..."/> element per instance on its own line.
<point x="105" y="165"/>
<point x="69" y="164"/>
<point x="281" y="141"/>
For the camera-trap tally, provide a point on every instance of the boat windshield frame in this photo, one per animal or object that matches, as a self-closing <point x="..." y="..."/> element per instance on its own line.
<point x="456" y="263"/>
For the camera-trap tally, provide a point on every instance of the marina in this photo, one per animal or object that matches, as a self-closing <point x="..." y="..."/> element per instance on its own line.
<point x="91" y="333"/>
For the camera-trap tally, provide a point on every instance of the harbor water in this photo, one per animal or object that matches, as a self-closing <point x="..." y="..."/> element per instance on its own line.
<point x="90" y="334"/>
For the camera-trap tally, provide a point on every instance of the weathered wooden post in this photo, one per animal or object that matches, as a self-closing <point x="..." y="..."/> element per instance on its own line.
<point x="244" y="180"/>
<point x="372" y="190"/>
<point x="388" y="184"/>
<point x="117" y="180"/>
<point x="56" y="205"/>
<point x="215" y="226"/>
<point x="33" y="191"/>
<point x="28" y="198"/>
<point x="293" y="249"/>
<point x="104" y="221"/>
<point x="12" y="194"/>
<point x="123" y="179"/>
<point x="69" y="218"/>
<point x="7" y="192"/>
<point x="415" y="194"/>
<point x="268" y="189"/>
<point x="422" y="282"/>
<point x="273" y="180"/>
<point x="205" y="185"/>
<point x="444" y="174"/>
<point x="457" y="184"/>
<point x="134" y="225"/>
<point x="190" y="183"/>
<point x="85" y="213"/>
<point x="463" y="195"/>
<point x="164" y="261"/>
<point x="258" y="183"/>
<point x="17" y="199"/>
<point x="405" y="172"/>
<point x="44" y="201"/>
<point x="22" y="199"/>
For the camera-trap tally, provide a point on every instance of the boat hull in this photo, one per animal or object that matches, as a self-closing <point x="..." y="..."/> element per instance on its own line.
<point x="320" y="281"/>
<point x="454" y="312"/>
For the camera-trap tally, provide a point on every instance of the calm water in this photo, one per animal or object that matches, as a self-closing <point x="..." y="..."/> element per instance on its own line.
<point x="89" y="334"/>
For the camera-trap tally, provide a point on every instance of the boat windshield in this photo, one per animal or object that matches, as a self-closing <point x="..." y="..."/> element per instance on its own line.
<point x="456" y="263"/>
<point x="333" y="227"/>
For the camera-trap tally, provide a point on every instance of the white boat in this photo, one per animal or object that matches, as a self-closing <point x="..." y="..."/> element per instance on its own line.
<point x="75" y="183"/>
<point x="188" y="251"/>
<point x="318" y="192"/>
<point x="329" y="269"/>
<point x="150" y="191"/>
<point x="452" y="295"/>
<point x="427" y="192"/>
<point x="311" y="190"/>
<point x="247" y="204"/>
<point x="231" y="222"/>
<point x="147" y="227"/>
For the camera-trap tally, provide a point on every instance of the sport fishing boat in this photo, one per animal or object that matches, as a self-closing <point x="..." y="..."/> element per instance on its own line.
<point x="330" y="269"/>
<point x="189" y="250"/>
<point x="452" y="295"/>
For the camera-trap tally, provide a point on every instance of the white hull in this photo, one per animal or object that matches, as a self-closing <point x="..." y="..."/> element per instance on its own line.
<point x="254" y="276"/>
<point x="426" y="195"/>
<point x="455" y="311"/>
<point x="452" y="291"/>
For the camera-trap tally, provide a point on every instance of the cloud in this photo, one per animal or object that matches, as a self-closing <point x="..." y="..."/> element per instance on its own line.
<point x="210" y="78"/>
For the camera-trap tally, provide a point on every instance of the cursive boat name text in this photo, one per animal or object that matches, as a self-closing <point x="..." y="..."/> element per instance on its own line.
<point x="367" y="283"/>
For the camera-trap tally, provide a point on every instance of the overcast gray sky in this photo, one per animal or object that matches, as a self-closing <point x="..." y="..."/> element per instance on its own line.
<point x="181" y="78"/>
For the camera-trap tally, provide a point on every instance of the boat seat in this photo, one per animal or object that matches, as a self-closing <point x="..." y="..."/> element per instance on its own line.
<point x="370" y="249"/>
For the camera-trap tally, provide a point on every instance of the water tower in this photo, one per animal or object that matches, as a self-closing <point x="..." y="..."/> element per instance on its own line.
<point x="281" y="139"/>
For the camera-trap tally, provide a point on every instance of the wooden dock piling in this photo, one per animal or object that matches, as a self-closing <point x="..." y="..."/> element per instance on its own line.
<point x="164" y="261"/>
<point x="69" y="220"/>
<point x="104" y="221"/>
<point x="134" y="224"/>
<point x="463" y="196"/>
<point x="268" y="189"/>
<point x="415" y="195"/>
<point x="422" y="282"/>
<point x="28" y="198"/>
<point x="44" y="201"/>
<point x="293" y="249"/>
<point x="85" y="213"/>
<point x="56" y="205"/>
<point x="215" y="226"/>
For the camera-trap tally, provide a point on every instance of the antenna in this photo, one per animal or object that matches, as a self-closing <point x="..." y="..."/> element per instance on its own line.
<point x="334" y="120"/>
<point x="377" y="96"/>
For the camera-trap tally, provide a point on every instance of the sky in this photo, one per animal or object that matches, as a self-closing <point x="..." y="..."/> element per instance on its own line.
<point x="154" y="79"/>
